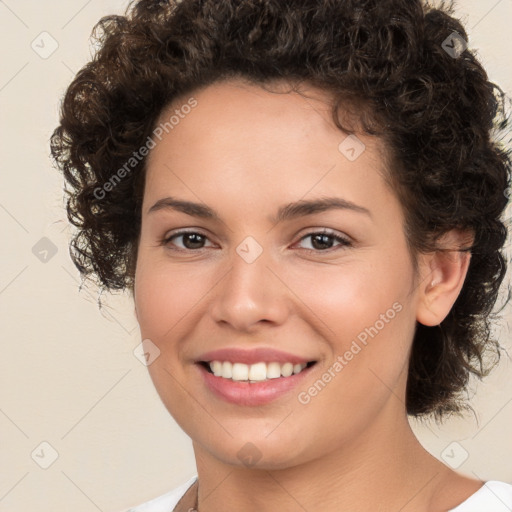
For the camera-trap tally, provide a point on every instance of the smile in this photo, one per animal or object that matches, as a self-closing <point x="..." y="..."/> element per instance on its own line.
<point x="257" y="372"/>
<point x="254" y="384"/>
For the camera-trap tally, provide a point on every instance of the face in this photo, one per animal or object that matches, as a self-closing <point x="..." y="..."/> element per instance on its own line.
<point x="238" y="254"/>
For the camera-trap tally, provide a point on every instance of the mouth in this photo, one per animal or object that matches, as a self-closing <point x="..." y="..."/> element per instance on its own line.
<point x="252" y="373"/>
<point x="255" y="384"/>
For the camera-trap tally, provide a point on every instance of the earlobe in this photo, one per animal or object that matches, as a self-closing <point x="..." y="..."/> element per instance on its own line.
<point x="445" y="272"/>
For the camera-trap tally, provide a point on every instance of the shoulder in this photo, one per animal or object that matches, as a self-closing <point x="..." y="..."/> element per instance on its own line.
<point x="166" y="502"/>
<point x="493" y="496"/>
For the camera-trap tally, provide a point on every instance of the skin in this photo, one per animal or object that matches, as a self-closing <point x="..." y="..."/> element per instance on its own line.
<point x="244" y="152"/>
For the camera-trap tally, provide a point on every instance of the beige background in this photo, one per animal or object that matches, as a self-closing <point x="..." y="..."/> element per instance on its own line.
<point x="68" y="373"/>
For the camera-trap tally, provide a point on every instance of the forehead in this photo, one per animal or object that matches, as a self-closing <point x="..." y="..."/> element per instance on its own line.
<point x="225" y="108"/>
<point x="241" y="139"/>
<point x="239" y="118"/>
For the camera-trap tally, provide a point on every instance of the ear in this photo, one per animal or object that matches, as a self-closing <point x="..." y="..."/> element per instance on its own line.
<point x="443" y="274"/>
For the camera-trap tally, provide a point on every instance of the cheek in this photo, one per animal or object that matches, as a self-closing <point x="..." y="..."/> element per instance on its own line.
<point x="165" y="299"/>
<point x="350" y="296"/>
<point x="165" y="295"/>
<point x="366" y="318"/>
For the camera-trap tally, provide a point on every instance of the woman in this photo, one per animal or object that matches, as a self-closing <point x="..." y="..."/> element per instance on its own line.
<point x="305" y="200"/>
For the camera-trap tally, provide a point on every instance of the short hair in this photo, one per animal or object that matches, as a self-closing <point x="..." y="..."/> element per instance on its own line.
<point x="404" y="67"/>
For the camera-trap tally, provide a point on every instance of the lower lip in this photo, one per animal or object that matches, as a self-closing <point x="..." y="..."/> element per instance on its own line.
<point x="251" y="393"/>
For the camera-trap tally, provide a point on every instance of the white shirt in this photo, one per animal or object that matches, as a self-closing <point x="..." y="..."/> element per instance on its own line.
<point x="493" y="496"/>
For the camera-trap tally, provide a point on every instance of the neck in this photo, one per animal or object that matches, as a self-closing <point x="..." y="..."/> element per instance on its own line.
<point x="384" y="466"/>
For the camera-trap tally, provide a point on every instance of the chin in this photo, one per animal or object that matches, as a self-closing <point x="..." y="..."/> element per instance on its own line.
<point x="254" y="451"/>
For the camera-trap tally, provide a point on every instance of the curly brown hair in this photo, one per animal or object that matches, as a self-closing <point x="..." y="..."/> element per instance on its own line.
<point x="435" y="109"/>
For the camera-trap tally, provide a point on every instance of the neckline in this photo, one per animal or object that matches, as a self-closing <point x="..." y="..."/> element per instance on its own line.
<point x="475" y="495"/>
<point x="189" y="499"/>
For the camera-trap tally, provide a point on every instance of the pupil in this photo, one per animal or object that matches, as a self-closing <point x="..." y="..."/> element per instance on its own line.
<point x="324" y="239"/>
<point x="191" y="236"/>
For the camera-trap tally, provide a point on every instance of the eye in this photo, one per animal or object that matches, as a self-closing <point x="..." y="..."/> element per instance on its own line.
<point x="322" y="241"/>
<point x="190" y="240"/>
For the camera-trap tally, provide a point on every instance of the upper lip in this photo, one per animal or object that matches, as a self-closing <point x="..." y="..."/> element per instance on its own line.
<point x="257" y="355"/>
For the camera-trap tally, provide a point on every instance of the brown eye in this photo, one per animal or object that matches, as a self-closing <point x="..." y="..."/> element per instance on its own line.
<point x="324" y="240"/>
<point x="190" y="240"/>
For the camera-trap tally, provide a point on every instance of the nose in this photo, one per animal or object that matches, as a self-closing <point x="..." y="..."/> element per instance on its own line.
<point x="250" y="294"/>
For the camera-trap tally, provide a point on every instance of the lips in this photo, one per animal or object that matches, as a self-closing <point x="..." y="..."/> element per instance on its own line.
<point x="243" y="390"/>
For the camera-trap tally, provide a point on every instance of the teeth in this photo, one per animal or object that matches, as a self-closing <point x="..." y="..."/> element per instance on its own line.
<point x="287" y="369"/>
<point x="216" y="368"/>
<point x="273" y="370"/>
<point x="257" y="371"/>
<point x="254" y="372"/>
<point x="240" y="372"/>
<point x="227" y="369"/>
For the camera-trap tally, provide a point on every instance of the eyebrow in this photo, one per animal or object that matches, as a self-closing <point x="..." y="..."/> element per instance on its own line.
<point x="287" y="212"/>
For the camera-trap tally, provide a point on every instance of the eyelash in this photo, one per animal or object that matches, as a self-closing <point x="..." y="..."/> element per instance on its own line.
<point x="344" y="242"/>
